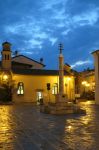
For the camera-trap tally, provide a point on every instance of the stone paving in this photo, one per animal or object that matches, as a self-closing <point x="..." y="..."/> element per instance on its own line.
<point x="23" y="127"/>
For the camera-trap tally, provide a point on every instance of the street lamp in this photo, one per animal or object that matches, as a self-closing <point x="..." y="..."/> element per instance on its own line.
<point x="85" y="84"/>
<point x="5" y="77"/>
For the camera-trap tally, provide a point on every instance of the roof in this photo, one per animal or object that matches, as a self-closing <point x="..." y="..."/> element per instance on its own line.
<point x="29" y="59"/>
<point x="18" y="63"/>
<point x="6" y="43"/>
<point x="67" y="64"/>
<point x="87" y="71"/>
<point x="37" y="72"/>
<point x="96" y="51"/>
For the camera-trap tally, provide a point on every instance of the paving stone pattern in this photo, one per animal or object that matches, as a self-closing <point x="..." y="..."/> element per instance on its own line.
<point x="23" y="127"/>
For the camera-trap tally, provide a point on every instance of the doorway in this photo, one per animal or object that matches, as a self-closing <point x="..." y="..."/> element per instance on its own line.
<point x="39" y="97"/>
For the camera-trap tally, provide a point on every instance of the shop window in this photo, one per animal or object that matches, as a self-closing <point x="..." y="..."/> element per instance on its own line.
<point x="20" y="90"/>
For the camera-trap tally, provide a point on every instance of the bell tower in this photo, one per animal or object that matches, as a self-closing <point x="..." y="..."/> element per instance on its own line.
<point x="6" y="56"/>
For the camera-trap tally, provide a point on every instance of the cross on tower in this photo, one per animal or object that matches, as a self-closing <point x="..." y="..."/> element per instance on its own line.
<point x="60" y="48"/>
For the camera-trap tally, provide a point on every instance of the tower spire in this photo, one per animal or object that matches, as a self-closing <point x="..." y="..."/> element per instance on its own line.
<point x="60" y="48"/>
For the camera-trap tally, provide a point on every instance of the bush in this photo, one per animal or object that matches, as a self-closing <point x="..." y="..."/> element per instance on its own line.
<point x="5" y="93"/>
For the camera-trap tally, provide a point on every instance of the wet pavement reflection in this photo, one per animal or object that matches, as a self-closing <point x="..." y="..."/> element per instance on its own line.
<point x="23" y="127"/>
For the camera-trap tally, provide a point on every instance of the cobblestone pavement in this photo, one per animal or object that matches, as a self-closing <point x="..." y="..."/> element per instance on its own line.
<point x="23" y="127"/>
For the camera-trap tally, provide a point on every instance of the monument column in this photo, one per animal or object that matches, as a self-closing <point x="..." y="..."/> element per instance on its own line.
<point x="96" y="62"/>
<point x="61" y="71"/>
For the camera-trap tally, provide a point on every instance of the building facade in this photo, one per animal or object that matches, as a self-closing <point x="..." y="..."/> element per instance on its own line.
<point x="85" y="83"/>
<point x="29" y="80"/>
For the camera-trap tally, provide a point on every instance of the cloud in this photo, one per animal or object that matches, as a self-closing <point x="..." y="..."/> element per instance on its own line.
<point x="30" y="52"/>
<point x="32" y="43"/>
<point x="33" y="32"/>
<point x="89" y="17"/>
<point x="65" y="32"/>
<point x="36" y="26"/>
<point x="53" y="40"/>
<point x="50" y="4"/>
<point x="81" y="63"/>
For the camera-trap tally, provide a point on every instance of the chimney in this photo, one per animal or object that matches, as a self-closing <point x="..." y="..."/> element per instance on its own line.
<point x="41" y="60"/>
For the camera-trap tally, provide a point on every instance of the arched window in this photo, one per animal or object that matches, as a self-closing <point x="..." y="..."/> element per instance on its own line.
<point x="5" y="57"/>
<point x="8" y="57"/>
<point x="20" y="90"/>
<point x="55" y="89"/>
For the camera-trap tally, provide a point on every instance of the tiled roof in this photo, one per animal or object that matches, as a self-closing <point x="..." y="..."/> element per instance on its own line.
<point x="96" y="51"/>
<point x="18" y="63"/>
<point x="29" y="59"/>
<point x="37" y="72"/>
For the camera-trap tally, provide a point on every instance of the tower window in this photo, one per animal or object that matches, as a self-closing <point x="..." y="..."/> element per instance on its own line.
<point x="8" y="57"/>
<point x="20" y="90"/>
<point x="5" y="57"/>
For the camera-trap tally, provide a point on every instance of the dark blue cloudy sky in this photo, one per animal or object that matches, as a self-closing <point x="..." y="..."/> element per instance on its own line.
<point x="36" y="27"/>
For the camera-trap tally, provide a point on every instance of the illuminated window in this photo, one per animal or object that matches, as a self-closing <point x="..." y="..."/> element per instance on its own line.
<point x="55" y="89"/>
<point x="20" y="90"/>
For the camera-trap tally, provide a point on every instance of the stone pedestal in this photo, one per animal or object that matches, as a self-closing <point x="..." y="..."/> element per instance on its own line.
<point x="62" y="108"/>
<point x="61" y="98"/>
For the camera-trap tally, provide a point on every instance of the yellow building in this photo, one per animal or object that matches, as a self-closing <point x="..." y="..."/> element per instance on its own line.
<point x="30" y="81"/>
<point x="85" y="83"/>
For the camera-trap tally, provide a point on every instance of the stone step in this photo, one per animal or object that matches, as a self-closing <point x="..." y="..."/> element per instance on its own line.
<point x="61" y="112"/>
<point x="61" y="108"/>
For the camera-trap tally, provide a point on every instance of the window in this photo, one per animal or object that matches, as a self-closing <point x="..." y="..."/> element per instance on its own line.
<point x="5" y="57"/>
<point x="8" y="57"/>
<point x="55" y="88"/>
<point x="20" y="90"/>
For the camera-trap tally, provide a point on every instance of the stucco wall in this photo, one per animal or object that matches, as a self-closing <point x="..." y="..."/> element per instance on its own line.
<point x="34" y="83"/>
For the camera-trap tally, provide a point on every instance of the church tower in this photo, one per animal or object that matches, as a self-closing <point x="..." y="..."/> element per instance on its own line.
<point x="6" y="56"/>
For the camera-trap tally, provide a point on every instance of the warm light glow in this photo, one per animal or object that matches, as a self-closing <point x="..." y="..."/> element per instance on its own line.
<point x="5" y="77"/>
<point x="84" y="83"/>
<point x="87" y="84"/>
<point x="68" y="78"/>
<point x="69" y="127"/>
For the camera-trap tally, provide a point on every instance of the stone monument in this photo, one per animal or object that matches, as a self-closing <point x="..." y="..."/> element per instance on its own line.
<point x="96" y="62"/>
<point x="61" y="106"/>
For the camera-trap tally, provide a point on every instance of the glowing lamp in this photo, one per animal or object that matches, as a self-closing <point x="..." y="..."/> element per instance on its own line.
<point x="5" y="77"/>
<point x="68" y="78"/>
<point x="87" y="84"/>
<point x="69" y="127"/>
<point x="84" y="83"/>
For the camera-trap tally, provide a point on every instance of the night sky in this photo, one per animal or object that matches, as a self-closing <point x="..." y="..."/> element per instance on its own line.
<point x="36" y="27"/>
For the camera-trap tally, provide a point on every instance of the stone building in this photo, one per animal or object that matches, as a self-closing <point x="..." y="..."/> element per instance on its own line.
<point x="30" y="80"/>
